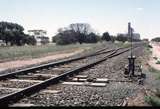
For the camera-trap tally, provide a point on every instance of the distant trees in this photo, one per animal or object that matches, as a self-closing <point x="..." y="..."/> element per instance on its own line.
<point x="30" y="40"/>
<point x="113" y="38"/>
<point x="145" y="39"/>
<point x="92" y="38"/>
<point x="12" y="33"/>
<point x="80" y="31"/>
<point x="83" y="33"/>
<point x="64" y="37"/>
<point x="121" y="37"/>
<point x="106" y="36"/>
<point x="75" y="33"/>
<point x="44" y="40"/>
<point x="157" y="39"/>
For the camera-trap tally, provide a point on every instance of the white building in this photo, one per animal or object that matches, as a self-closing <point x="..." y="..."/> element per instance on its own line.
<point x="40" y="36"/>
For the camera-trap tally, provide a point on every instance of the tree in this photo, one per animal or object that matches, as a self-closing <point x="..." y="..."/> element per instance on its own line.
<point x="80" y="30"/>
<point x="121" y="37"/>
<point x="157" y="39"/>
<point x="44" y="40"/>
<point x="12" y="33"/>
<point x="92" y="38"/>
<point x="65" y="37"/>
<point x="113" y="38"/>
<point x="30" y="40"/>
<point x="106" y="36"/>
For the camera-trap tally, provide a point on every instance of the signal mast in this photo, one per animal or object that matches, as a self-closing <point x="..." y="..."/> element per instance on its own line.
<point x="131" y="58"/>
<point x="131" y="68"/>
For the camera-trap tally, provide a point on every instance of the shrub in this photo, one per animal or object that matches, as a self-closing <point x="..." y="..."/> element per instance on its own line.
<point x="106" y="36"/>
<point x="152" y="100"/>
<point x="155" y="58"/>
<point x="121" y="38"/>
<point x="157" y="39"/>
<point x="150" y="46"/>
<point x="153" y="70"/>
<point x="13" y="34"/>
<point x="65" y="37"/>
<point x="158" y="62"/>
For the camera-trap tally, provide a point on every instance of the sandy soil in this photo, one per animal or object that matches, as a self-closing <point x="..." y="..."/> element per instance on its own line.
<point x="21" y="63"/>
<point x="155" y="53"/>
<point x="138" y="100"/>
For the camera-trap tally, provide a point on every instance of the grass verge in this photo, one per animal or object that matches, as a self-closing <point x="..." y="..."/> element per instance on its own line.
<point x="121" y="44"/>
<point x="153" y="70"/>
<point x="152" y="100"/>
<point x="16" y="52"/>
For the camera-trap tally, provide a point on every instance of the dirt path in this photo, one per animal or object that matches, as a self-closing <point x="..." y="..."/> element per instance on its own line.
<point x="21" y="63"/>
<point x="155" y="53"/>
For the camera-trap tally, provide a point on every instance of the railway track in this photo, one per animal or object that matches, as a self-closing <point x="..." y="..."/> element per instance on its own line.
<point x="32" y="80"/>
<point x="52" y="64"/>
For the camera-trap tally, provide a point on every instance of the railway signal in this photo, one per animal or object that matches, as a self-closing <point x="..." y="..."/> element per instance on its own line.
<point x="131" y="68"/>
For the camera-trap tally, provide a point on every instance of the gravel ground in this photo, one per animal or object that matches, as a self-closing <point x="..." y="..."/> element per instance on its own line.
<point x="4" y="92"/>
<point x="15" y="84"/>
<point x="112" y="95"/>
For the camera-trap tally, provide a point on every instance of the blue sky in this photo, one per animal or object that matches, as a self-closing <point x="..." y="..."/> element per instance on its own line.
<point x="103" y="15"/>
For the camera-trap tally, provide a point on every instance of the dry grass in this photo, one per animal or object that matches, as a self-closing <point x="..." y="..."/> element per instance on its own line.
<point x="17" y="52"/>
<point x="152" y="100"/>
